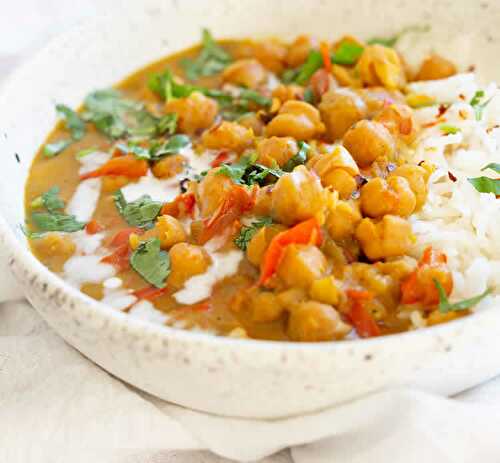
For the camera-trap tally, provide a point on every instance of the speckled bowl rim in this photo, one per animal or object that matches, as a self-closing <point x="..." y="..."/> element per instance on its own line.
<point x="41" y="275"/>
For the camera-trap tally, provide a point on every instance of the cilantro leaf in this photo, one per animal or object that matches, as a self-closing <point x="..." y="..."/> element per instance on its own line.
<point x="347" y="53"/>
<point x="151" y="263"/>
<point x="486" y="185"/>
<point x="132" y="148"/>
<point x="167" y="124"/>
<point x="211" y="60"/>
<point x="248" y="232"/>
<point x="313" y="62"/>
<point x="449" y="129"/>
<point x="50" y="200"/>
<point x="139" y="213"/>
<point x="236" y="171"/>
<point x="445" y="306"/>
<point x="475" y="102"/>
<point x="51" y="150"/>
<point x="299" y="158"/>
<point x="48" y="221"/>
<point x="172" y="146"/>
<point x="255" y="97"/>
<point x="73" y="122"/>
<point x="289" y="75"/>
<point x="116" y="116"/>
<point x="495" y="167"/>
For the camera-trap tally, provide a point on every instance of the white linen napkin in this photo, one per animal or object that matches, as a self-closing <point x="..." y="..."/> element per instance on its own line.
<point x="57" y="406"/>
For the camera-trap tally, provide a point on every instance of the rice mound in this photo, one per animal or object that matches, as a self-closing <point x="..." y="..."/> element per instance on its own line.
<point x="457" y="219"/>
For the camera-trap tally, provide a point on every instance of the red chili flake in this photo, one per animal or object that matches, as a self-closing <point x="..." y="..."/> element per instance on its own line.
<point x="442" y="109"/>
<point x="149" y="293"/>
<point x="221" y="157"/>
<point x="452" y="177"/>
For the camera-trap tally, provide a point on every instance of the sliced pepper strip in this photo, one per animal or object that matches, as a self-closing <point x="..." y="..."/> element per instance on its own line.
<point x="149" y="292"/>
<point x="237" y="202"/>
<point x="128" y="166"/>
<point x="223" y="156"/>
<point x="183" y="204"/>
<point x="325" y="54"/>
<point x="307" y="232"/>
<point x="363" y="321"/>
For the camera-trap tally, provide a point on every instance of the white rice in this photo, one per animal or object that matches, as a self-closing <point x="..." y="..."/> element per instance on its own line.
<point x="457" y="219"/>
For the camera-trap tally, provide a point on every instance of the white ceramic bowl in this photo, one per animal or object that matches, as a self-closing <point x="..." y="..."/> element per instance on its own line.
<point x="227" y="376"/>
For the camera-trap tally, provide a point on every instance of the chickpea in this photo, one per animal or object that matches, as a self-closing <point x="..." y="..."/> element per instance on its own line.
<point x="288" y="92"/>
<point x="186" y="260"/>
<point x="342" y="221"/>
<point x="170" y="231"/>
<point x="271" y="54"/>
<point x="436" y="67"/>
<point x="301" y="265"/>
<point x="252" y="121"/>
<point x="196" y="112"/>
<point x="228" y="135"/>
<point x="297" y="196"/>
<point x="260" y="241"/>
<point x="383" y="286"/>
<point x="396" y="269"/>
<point x="54" y="249"/>
<point x="245" y="72"/>
<point x="325" y="290"/>
<point x="292" y="297"/>
<point x="111" y="183"/>
<point x="346" y="77"/>
<point x="377" y="98"/>
<point x="336" y="170"/>
<point x="276" y="150"/>
<point x="391" y="196"/>
<point x="263" y="201"/>
<point x="339" y="110"/>
<point x="399" y="120"/>
<point x="169" y="166"/>
<point x="299" y="50"/>
<point x="296" y="119"/>
<point x="266" y="307"/>
<point x="417" y="178"/>
<point x="379" y="65"/>
<point x="312" y="321"/>
<point x="390" y="237"/>
<point x="211" y="191"/>
<point x="368" y="140"/>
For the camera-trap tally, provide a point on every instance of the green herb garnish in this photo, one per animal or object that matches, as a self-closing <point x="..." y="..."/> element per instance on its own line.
<point x="72" y="120"/>
<point x="172" y="146"/>
<point x="475" y="102"/>
<point x="347" y="53"/>
<point x="85" y="152"/>
<point x="51" y="150"/>
<point x="139" y="213"/>
<point x="449" y="129"/>
<point x="246" y="172"/>
<point x="495" y="167"/>
<point x="313" y="63"/>
<point x="445" y="306"/>
<point x="486" y="185"/>
<point x="248" y="232"/>
<point x="53" y="219"/>
<point x="116" y="116"/>
<point x="309" y="95"/>
<point x="211" y="60"/>
<point x="149" y="261"/>
<point x="299" y="158"/>
<point x="167" y="124"/>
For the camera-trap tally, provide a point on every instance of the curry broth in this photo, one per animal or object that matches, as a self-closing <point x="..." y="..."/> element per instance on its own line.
<point x="228" y="311"/>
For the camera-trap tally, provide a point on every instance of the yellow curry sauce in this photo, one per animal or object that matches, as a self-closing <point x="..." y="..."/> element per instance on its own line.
<point x="292" y="221"/>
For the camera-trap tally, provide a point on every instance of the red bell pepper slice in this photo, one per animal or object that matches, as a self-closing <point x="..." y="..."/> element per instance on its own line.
<point x="307" y="232"/>
<point x="182" y="205"/>
<point x="128" y="166"/>
<point x="363" y="321"/>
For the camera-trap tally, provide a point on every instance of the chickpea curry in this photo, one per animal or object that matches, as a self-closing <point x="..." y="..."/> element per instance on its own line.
<point x="254" y="189"/>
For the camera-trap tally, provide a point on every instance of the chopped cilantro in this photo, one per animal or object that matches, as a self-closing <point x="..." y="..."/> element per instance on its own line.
<point x="51" y="150"/>
<point x="151" y="263"/>
<point x="248" y="232"/>
<point x="445" y="306"/>
<point x="140" y="213"/>
<point x="167" y="124"/>
<point x="475" y="102"/>
<point x="299" y="158"/>
<point x="53" y="219"/>
<point x="495" y="167"/>
<point x="172" y="146"/>
<point x="347" y="53"/>
<point x="72" y="120"/>
<point x="85" y="152"/>
<point x="486" y="185"/>
<point x="309" y="95"/>
<point x="246" y="172"/>
<point x="211" y="60"/>
<point x="313" y="63"/>
<point x="449" y="129"/>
